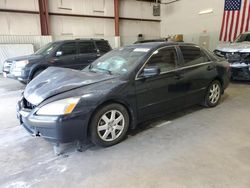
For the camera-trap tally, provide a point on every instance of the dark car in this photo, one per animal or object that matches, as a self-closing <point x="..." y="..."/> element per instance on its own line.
<point x="124" y="87"/>
<point x="74" y="54"/>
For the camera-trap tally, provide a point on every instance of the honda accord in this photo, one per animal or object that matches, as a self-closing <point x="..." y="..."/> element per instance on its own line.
<point x="124" y="87"/>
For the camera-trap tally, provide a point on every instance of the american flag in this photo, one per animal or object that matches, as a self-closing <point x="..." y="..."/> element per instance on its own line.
<point x="235" y="20"/>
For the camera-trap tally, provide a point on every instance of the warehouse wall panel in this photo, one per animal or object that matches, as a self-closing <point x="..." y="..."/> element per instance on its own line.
<point x="70" y="27"/>
<point x="31" y="5"/>
<point x="136" y="9"/>
<point x="64" y="27"/>
<point x="86" y="7"/>
<point x="130" y="29"/>
<point x="183" y="18"/>
<point x="19" y="24"/>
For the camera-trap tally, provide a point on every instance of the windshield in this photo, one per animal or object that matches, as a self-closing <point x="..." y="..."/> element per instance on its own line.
<point x="243" y="38"/>
<point x="119" y="61"/>
<point x="47" y="49"/>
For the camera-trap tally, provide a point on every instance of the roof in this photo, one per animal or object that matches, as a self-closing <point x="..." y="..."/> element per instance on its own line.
<point x="152" y="45"/>
<point x="150" y="40"/>
<point x="80" y="39"/>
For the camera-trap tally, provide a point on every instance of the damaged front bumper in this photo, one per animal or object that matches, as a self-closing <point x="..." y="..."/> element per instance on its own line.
<point x="57" y="129"/>
<point x="240" y="71"/>
<point x="239" y="63"/>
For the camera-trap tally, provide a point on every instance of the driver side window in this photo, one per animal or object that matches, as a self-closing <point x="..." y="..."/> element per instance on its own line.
<point x="165" y="59"/>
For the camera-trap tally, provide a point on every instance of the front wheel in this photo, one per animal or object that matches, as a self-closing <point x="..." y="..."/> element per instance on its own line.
<point x="109" y="125"/>
<point x="213" y="94"/>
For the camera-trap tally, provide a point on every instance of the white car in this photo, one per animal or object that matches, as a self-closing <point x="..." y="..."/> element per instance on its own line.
<point x="238" y="55"/>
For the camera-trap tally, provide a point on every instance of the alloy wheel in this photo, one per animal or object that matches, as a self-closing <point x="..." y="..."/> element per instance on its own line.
<point x="111" y="125"/>
<point x="214" y="93"/>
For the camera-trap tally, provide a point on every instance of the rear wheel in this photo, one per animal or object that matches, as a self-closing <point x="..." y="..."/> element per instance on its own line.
<point x="109" y="125"/>
<point x="213" y="94"/>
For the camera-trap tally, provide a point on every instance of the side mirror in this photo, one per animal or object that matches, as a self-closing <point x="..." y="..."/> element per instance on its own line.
<point x="151" y="71"/>
<point x="59" y="53"/>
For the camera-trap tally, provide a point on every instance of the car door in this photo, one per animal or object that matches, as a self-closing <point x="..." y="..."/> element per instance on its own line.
<point x="66" y="55"/>
<point x="87" y="54"/>
<point x="159" y="94"/>
<point x="197" y="71"/>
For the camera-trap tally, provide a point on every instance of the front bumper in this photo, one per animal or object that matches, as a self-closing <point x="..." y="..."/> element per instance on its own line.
<point x="9" y="72"/>
<point x="22" y="78"/>
<point x="240" y="71"/>
<point x="58" y="129"/>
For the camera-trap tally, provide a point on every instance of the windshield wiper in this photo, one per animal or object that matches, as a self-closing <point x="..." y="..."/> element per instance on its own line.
<point x="105" y="70"/>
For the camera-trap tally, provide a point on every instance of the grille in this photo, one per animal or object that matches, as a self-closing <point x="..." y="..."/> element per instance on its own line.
<point x="27" y="104"/>
<point x="234" y="56"/>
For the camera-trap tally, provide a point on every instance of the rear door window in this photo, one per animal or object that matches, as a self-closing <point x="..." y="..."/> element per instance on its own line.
<point x="193" y="55"/>
<point x="68" y="49"/>
<point x="103" y="46"/>
<point x="86" y="47"/>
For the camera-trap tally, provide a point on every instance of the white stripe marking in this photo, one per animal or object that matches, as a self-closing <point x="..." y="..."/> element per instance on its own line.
<point x="163" y="124"/>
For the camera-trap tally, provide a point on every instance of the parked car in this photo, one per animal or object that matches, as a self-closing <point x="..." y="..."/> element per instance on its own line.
<point x="238" y="55"/>
<point x="124" y="87"/>
<point x="74" y="54"/>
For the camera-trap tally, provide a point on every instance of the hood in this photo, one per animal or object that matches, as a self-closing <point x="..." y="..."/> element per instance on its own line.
<point x="55" y="80"/>
<point x="234" y="47"/>
<point x="33" y="57"/>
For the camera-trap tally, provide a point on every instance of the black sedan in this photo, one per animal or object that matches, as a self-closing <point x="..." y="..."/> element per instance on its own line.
<point x="124" y="87"/>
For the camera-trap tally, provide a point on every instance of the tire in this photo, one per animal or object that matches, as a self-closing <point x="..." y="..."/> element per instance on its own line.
<point x="213" y="94"/>
<point x="106" y="130"/>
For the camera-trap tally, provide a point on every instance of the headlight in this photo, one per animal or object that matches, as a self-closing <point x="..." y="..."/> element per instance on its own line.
<point x="21" y="64"/>
<point x="60" y="107"/>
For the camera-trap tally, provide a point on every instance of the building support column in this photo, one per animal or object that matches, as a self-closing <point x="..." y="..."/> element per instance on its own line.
<point x="117" y="31"/>
<point x="44" y="17"/>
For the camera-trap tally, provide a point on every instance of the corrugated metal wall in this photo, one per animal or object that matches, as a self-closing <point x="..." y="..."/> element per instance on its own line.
<point x="37" y="41"/>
